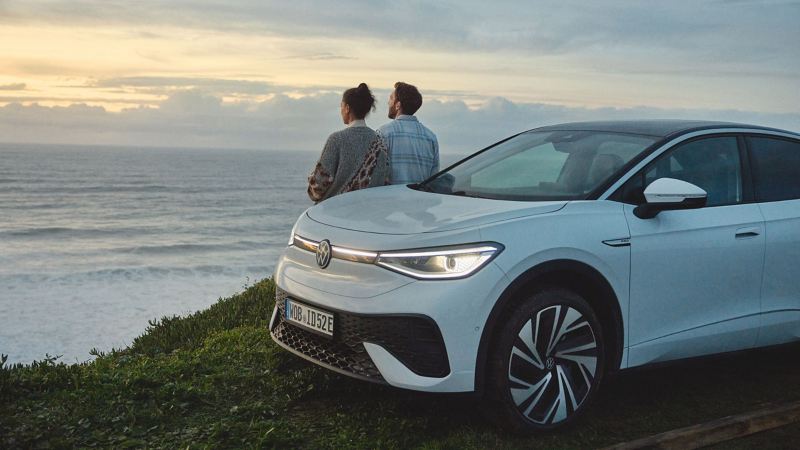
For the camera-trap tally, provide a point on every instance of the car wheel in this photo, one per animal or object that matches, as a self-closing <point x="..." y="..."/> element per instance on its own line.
<point x="546" y="363"/>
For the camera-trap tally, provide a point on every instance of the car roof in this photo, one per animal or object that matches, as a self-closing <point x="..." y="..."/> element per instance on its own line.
<point x="661" y="128"/>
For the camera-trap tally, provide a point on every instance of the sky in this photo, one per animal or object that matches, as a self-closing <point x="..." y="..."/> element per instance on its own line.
<point x="269" y="75"/>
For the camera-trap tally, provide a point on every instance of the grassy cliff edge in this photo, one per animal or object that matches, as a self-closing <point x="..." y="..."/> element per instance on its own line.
<point x="216" y="379"/>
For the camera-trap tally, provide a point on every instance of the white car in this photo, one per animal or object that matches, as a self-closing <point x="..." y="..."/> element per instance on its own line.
<point x="529" y="270"/>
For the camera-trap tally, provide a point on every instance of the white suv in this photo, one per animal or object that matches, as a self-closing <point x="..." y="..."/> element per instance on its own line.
<point x="530" y="269"/>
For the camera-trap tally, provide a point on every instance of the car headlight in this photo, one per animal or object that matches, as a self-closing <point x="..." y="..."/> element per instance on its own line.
<point x="442" y="262"/>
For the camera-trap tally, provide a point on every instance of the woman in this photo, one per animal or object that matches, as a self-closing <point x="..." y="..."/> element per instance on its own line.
<point x="353" y="158"/>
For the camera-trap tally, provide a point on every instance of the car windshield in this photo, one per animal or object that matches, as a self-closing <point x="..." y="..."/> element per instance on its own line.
<point x="551" y="165"/>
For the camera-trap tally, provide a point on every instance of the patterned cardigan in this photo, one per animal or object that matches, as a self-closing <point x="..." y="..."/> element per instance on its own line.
<point x="353" y="158"/>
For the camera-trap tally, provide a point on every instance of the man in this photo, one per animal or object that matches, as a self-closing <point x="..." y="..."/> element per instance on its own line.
<point x="413" y="148"/>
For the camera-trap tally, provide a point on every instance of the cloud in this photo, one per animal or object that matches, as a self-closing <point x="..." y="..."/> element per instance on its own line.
<point x="221" y="87"/>
<point x="197" y="119"/>
<point x="703" y="33"/>
<point x="615" y="52"/>
<point x="154" y="84"/>
<point x="13" y="87"/>
<point x="74" y="100"/>
<point x="324" y="56"/>
<point x="230" y="87"/>
<point x="36" y="67"/>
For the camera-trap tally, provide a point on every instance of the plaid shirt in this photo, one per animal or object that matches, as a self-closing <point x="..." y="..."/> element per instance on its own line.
<point x="413" y="149"/>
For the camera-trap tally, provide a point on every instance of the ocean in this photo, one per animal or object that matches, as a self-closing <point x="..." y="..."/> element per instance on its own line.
<point x="97" y="241"/>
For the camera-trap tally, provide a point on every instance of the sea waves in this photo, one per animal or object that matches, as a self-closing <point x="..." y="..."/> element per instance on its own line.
<point x="94" y="242"/>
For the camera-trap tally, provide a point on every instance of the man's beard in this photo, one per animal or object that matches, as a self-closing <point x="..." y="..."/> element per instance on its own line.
<point x="392" y="112"/>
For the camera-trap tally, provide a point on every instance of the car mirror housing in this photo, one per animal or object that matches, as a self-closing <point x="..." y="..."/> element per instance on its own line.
<point x="666" y="194"/>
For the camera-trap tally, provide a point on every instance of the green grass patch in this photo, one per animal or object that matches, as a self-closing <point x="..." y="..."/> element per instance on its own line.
<point x="216" y="379"/>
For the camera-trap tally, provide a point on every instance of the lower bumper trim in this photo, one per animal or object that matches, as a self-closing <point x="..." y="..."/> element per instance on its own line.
<point x="372" y="379"/>
<point x="414" y="340"/>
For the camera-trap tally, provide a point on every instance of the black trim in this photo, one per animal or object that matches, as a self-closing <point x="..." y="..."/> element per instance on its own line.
<point x="650" y="210"/>
<point x="657" y="127"/>
<point x="622" y="242"/>
<point x="376" y="380"/>
<point x="413" y="339"/>
<point x="709" y="357"/>
<point x="538" y="276"/>
<point x="626" y="193"/>
<point x="747" y="137"/>
<point x="756" y="134"/>
<point x="748" y="184"/>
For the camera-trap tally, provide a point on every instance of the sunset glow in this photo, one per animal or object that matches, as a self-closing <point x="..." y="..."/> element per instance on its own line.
<point x="677" y="58"/>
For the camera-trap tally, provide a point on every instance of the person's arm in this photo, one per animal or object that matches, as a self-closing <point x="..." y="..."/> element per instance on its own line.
<point x="321" y="179"/>
<point x="435" y="168"/>
<point x="385" y="144"/>
<point x="387" y="165"/>
<point x="386" y="138"/>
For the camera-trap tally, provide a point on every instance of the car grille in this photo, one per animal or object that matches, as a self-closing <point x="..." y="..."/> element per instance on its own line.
<point x="414" y="340"/>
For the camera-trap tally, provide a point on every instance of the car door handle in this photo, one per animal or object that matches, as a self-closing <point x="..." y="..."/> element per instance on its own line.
<point x="748" y="232"/>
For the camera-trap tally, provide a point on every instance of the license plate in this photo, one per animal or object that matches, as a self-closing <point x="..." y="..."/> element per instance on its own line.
<point x="312" y="319"/>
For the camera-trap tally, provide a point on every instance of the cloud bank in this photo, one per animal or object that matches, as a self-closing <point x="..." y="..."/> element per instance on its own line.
<point x="12" y="87"/>
<point x="709" y="56"/>
<point x="196" y="119"/>
<point x="541" y="26"/>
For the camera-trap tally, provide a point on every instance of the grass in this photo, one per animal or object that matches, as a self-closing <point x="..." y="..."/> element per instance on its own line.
<point x="215" y="379"/>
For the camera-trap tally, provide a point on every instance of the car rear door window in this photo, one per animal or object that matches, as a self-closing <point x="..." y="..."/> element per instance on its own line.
<point x="776" y="168"/>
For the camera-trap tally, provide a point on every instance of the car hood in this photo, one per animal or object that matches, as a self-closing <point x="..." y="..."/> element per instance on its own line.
<point x="402" y="210"/>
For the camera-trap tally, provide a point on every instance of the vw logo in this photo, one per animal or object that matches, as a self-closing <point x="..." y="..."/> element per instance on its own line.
<point x="550" y="363"/>
<point x="324" y="253"/>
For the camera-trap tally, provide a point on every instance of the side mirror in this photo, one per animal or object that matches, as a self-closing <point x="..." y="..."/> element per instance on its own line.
<point x="669" y="194"/>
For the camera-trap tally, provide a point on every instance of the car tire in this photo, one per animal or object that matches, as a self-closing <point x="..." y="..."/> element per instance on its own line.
<point x="546" y="362"/>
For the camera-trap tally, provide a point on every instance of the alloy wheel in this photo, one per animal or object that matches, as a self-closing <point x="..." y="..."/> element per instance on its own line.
<point x="552" y="365"/>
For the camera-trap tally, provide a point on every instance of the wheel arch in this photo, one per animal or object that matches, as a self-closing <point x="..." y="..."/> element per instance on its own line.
<point x="572" y="274"/>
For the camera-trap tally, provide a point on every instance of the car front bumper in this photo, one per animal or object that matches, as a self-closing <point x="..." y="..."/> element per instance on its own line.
<point x="420" y="335"/>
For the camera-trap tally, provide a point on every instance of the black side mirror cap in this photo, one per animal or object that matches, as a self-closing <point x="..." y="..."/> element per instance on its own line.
<point x="650" y="210"/>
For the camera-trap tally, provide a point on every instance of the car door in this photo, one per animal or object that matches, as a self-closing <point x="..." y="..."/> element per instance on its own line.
<point x="776" y="174"/>
<point x="696" y="274"/>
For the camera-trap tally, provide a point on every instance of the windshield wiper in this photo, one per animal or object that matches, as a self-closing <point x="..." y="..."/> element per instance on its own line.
<point x="420" y="187"/>
<point x="426" y="188"/>
<point x="466" y="194"/>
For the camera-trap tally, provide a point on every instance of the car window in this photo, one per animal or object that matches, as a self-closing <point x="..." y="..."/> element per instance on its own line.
<point x="541" y="165"/>
<point x="776" y="168"/>
<point x="713" y="164"/>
